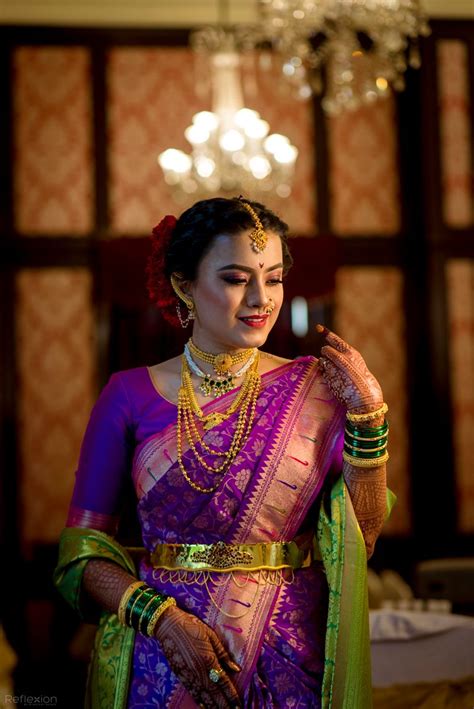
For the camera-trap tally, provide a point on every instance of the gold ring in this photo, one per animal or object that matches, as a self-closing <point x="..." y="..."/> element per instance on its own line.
<point x="215" y="675"/>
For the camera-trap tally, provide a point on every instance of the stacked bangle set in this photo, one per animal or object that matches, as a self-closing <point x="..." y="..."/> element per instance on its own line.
<point x="365" y="447"/>
<point x="141" y="607"/>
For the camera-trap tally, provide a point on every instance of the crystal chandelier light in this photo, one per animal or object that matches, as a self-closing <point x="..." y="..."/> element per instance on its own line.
<point x="231" y="149"/>
<point x="362" y="44"/>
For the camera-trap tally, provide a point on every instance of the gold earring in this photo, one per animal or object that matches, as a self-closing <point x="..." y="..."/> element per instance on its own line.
<point x="186" y="300"/>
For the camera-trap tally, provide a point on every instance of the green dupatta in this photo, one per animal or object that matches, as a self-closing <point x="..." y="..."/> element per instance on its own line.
<point x="347" y="673"/>
<point x="111" y="661"/>
<point x="347" y="681"/>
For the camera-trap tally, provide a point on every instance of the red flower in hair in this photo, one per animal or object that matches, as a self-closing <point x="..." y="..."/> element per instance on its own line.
<point x="160" y="290"/>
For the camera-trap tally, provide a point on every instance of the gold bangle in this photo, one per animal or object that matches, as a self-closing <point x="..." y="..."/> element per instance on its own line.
<point x="157" y="614"/>
<point x="370" y="416"/>
<point x="365" y="462"/>
<point x="127" y="594"/>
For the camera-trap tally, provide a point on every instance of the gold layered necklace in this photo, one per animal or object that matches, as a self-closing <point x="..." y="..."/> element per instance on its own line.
<point x="189" y="412"/>
<point x="223" y="361"/>
<point x="217" y="384"/>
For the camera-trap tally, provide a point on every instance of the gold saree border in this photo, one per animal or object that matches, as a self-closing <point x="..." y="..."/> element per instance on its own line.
<point x="297" y="457"/>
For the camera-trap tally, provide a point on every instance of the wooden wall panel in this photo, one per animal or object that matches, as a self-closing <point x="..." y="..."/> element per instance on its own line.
<point x="457" y="170"/>
<point x="53" y="167"/>
<point x="363" y="171"/>
<point x="369" y="315"/>
<point x="460" y="289"/>
<point x="56" y="389"/>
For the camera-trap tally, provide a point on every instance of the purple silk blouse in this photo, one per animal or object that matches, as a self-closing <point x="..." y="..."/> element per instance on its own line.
<point x="128" y="411"/>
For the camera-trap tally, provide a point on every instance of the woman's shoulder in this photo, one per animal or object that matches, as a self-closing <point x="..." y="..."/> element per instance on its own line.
<point x="132" y="386"/>
<point x="125" y="378"/>
<point x="271" y="361"/>
<point x="166" y="377"/>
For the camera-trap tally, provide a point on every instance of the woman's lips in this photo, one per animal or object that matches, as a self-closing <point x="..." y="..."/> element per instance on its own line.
<point x="255" y="320"/>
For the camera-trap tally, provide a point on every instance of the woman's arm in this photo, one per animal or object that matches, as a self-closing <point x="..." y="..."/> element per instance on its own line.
<point x="356" y="388"/>
<point x="105" y="583"/>
<point x="368" y="491"/>
<point x="190" y="646"/>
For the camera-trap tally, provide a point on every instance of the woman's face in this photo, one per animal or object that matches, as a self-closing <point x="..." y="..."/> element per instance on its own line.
<point x="232" y="290"/>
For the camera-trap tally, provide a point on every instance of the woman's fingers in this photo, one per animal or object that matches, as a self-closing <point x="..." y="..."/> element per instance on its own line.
<point x="337" y="342"/>
<point x="221" y="652"/>
<point x="330" y="353"/>
<point x="223" y="657"/>
<point x="229" y="691"/>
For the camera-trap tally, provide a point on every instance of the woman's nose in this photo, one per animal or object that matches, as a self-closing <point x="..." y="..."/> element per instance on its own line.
<point x="257" y="296"/>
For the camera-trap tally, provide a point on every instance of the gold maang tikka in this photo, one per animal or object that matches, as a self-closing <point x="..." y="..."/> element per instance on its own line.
<point x="258" y="235"/>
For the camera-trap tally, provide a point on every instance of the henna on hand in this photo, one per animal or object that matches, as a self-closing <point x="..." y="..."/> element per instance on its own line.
<point x="353" y="385"/>
<point x="346" y="373"/>
<point x="105" y="583"/>
<point x="367" y="488"/>
<point x="192" y="649"/>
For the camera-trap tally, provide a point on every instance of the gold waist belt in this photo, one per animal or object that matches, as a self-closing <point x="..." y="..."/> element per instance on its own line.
<point x="231" y="557"/>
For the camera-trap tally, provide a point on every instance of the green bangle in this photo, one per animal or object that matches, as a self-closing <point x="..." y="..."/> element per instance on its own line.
<point x="142" y="601"/>
<point x="380" y="437"/>
<point x="357" y="449"/>
<point x="365" y="454"/>
<point x="148" y="612"/>
<point x="361" y="444"/>
<point x="367" y="432"/>
<point x="137" y="601"/>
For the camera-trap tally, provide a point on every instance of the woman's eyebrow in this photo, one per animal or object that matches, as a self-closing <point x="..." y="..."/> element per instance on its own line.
<point x="238" y="267"/>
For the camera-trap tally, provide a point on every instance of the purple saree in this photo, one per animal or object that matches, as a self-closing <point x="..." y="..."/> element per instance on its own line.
<point x="273" y="624"/>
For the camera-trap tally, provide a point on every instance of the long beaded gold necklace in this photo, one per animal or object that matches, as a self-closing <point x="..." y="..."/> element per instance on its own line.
<point x="189" y="410"/>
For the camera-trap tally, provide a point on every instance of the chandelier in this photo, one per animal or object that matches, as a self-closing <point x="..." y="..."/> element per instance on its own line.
<point x="232" y="149"/>
<point x="363" y="46"/>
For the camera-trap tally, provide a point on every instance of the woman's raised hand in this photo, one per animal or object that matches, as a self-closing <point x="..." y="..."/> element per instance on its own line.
<point x="346" y="374"/>
<point x="193" y="650"/>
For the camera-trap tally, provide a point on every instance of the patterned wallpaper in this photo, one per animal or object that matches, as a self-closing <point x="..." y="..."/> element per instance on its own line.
<point x="152" y="95"/>
<point x="367" y="299"/>
<point x="457" y="170"/>
<point x="364" y="182"/>
<point x="56" y="360"/>
<point x="460" y="287"/>
<point x="53" y="179"/>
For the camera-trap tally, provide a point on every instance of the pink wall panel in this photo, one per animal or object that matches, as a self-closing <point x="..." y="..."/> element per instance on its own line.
<point x="56" y="360"/>
<point x="369" y="315"/>
<point x="53" y="169"/>
<point x="455" y="118"/>
<point x="460" y="286"/>
<point x="363" y="170"/>
<point x="152" y="98"/>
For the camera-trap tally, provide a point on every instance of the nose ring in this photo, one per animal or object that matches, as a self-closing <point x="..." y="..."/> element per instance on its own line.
<point x="270" y="307"/>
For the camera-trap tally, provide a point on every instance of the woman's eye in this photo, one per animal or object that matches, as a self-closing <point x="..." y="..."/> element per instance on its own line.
<point x="275" y="281"/>
<point x="235" y="281"/>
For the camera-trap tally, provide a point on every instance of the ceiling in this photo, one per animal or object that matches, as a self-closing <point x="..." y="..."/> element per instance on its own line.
<point x="163" y="13"/>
